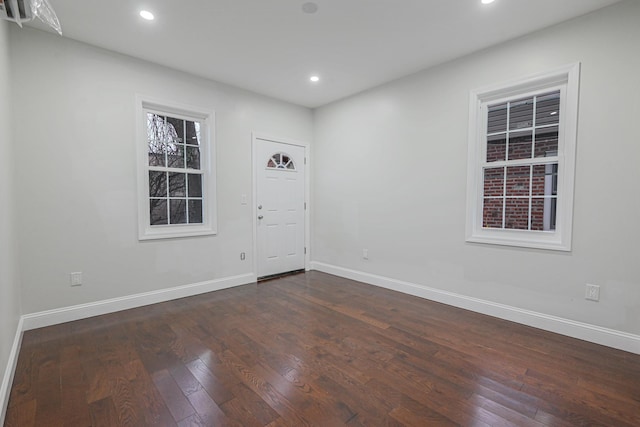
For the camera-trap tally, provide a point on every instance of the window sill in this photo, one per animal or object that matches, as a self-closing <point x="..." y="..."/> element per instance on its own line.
<point x="541" y="240"/>
<point x="154" y="233"/>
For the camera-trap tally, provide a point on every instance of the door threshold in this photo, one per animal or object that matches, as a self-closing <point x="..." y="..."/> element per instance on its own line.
<point x="279" y="275"/>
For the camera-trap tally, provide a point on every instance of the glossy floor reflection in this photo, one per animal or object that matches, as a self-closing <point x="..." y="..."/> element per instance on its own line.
<point x="315" y="349"/>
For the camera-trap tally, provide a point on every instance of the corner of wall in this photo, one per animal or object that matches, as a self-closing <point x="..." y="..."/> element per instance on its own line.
<point x="9" y="372"/>
<point x="10" y="322"/>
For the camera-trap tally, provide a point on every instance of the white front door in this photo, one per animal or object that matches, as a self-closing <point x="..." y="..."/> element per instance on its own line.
<point x="280" y="204"/>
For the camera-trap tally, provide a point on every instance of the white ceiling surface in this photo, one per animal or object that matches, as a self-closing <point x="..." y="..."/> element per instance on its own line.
<point x="272" y="47"/>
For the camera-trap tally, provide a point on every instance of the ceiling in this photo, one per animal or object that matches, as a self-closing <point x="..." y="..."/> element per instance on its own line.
<point x="272" y="47"/>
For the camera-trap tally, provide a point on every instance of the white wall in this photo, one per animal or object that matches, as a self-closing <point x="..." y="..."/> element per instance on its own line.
<point x="391" y="175"/>
<point x="75" y="153"/>
<point x="9" y="286"/>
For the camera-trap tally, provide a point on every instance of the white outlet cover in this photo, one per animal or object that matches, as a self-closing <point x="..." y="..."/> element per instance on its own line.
<point x="592" y="292"/>
<point x="76" y="279"/>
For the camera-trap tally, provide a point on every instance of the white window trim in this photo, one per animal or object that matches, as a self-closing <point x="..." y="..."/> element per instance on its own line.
<point x="208" y="162"/>
<point x="566" y="78"/>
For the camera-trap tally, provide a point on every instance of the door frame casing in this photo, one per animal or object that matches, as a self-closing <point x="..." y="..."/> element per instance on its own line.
<point x="255" y="138"/>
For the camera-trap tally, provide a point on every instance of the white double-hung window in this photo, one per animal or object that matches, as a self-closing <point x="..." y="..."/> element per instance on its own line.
<point x="521" y="161"/>
<point x="176" y="180"/>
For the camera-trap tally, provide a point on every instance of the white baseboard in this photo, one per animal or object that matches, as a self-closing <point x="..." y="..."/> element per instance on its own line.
<point x="9" y="372"/>
<point x="584" y="331"/>
<point x="83" y="311"/>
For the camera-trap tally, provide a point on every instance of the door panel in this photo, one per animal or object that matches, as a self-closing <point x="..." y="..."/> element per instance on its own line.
<point x="280" y="216"/>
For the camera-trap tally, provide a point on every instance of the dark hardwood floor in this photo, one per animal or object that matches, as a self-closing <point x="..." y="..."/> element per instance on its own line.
<point x="315" y="349"/>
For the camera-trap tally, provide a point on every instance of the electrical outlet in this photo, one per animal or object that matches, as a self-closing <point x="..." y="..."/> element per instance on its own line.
<point x="592" y="292"/>
<point x="242" y="256"/>
<point x="365" y="253"/>
<point x="76" y="278"/>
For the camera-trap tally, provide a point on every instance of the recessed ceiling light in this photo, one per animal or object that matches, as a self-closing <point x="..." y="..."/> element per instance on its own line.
<point x="314" y="79"/>
<point x="145" y="14"/>
<point x="487" y="1"/>
<point x="310" y="7"/>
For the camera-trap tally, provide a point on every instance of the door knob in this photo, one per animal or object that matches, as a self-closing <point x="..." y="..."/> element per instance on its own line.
<point x="259" y="206"/>
<point x="260" y="217"/>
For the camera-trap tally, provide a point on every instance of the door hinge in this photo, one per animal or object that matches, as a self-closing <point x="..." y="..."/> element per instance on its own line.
<point x="305" y="160"/>
<point x="305" y="250"/>
<point x="305" y="206"/>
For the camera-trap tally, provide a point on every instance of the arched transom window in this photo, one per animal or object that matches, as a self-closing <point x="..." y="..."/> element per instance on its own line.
<point x="281" y="161"/>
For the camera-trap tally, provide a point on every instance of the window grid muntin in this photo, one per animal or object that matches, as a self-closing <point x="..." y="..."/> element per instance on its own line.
<point x="182" y="170"/>
<point x="531" y="162"/>
<point x="277" y="161"/>
<point x="187" y="198"/>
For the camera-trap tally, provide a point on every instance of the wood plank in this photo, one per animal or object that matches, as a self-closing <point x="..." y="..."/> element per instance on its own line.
<point x="207" y="410"/>
<point x="22" y="414"/>
<point x="177" y="403"/>
<point x="219" y="390"/>
<point x="103" y="413"/>
<point x="315" y="349"/>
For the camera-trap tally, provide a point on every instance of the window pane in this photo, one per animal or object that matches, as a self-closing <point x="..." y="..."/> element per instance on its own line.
<point x="195" y="185"/>
<point x="158" y="211"/>
<point x="552" y="209"/>
<point x="520" y="145"/>
<point x="492" y="213"/>
<point x="176" y="127"/>
<point x="156" y="159"/>
<point x="157" y="184"/>
<point x="543" y="214"/>
<point x="518" y="178"/>
<point x="548" y="109"/>
<point x="545" y="180"/>
<point x="521" y="114"/>
<point x="175" y="156"/>
<point x="193" y="157"/>
<point x="155" y="144"/>
<point x="155" y="124"/>
<point x="177" y="185"/>
<point x="494" y="182"/>
<point x="538" y="180"/>
<point x="516" y="214"/>
<point x="547" y="142"/>
<point x="537" y="214"/>
<point x="497" y="118"/>
<point x="178" y="211"/>
<point x="195" y="211"/>
<point x="496" y="147"/>
<point x="193" y="133"/>
<point x="159" y="131"/>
